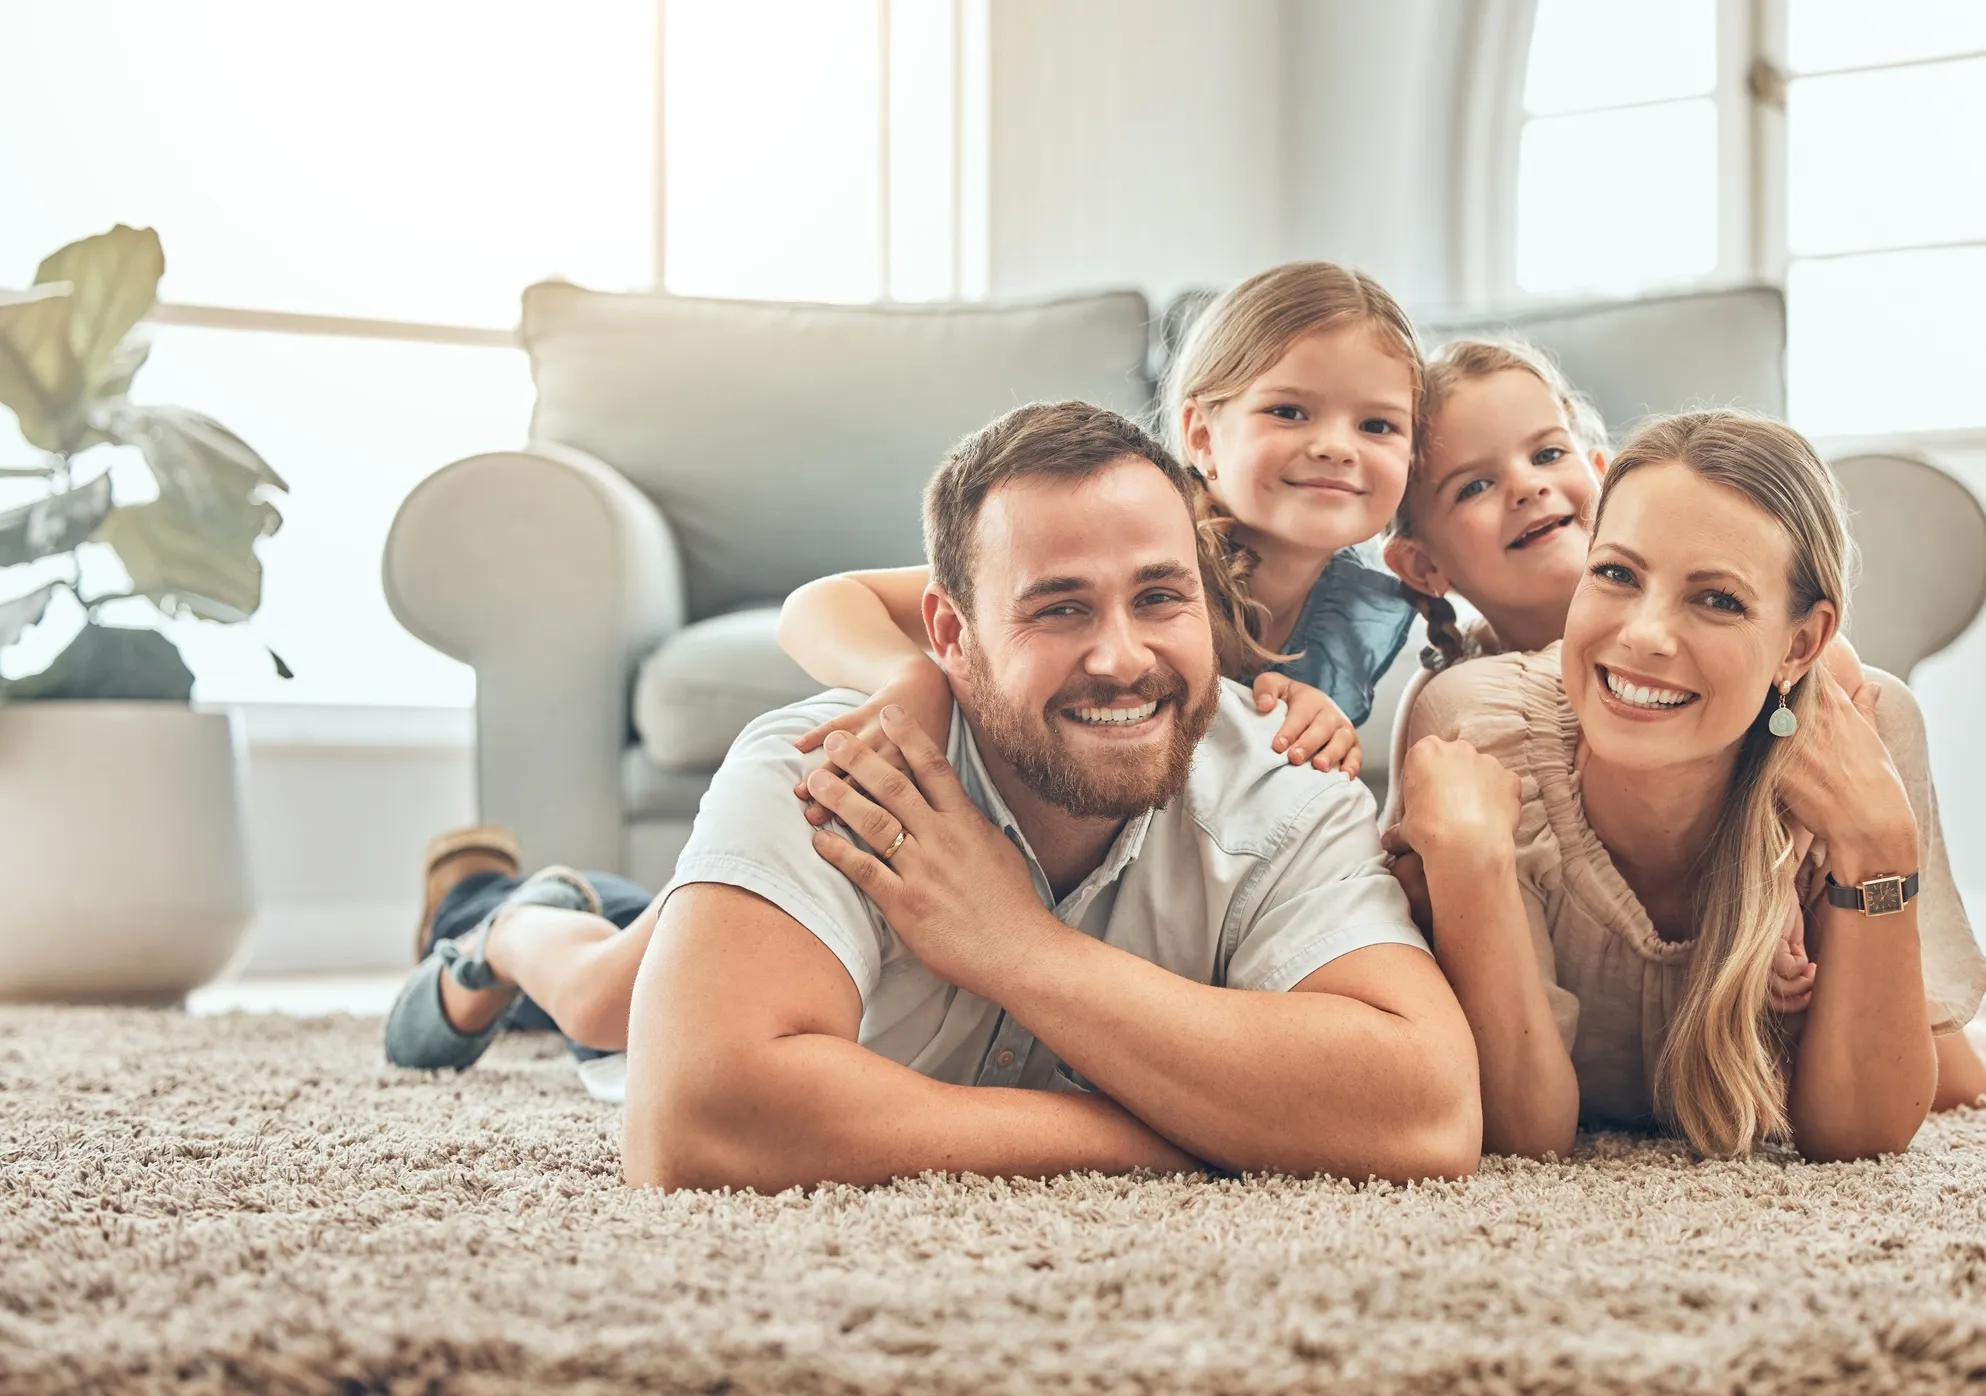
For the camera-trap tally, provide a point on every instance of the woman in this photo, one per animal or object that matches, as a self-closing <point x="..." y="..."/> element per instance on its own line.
<point x="1615" y="839"/>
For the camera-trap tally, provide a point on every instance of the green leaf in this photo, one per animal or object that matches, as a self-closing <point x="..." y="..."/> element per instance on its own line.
<point x="193" y="562"/>
<point x="114" y="278"/>
<point x="40" y="376"/>
<point x="23" y="612"/>
<point x="107" y="663"/>
<point x="55" y="524"/>
<point x="124" y="366"/>
<point x="190" y="454"/>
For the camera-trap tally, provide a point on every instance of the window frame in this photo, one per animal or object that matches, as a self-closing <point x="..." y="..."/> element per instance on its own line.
<point x="1754" y="71"/>
<point x="968" y="250"/>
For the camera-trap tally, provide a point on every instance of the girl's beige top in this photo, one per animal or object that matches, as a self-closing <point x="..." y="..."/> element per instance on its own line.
<point x="1614" y="984"/>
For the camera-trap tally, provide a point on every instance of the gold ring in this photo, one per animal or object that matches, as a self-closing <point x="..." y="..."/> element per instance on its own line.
<point x="895" y="844"/>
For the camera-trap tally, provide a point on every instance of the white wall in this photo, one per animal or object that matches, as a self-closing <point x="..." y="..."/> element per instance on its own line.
<point x="338" y="810"/>
<point x="1371" y="109"/>
<point x="1133" y="142"/>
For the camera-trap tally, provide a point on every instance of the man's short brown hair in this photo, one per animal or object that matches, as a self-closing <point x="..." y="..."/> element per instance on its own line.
<point x="1061" y="440"/>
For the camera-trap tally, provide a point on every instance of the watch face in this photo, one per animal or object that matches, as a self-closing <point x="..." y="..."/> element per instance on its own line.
<point x="1882" y="896"/>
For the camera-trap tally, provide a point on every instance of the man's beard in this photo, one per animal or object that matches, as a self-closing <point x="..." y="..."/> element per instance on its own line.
<point x="1033" y="743"/>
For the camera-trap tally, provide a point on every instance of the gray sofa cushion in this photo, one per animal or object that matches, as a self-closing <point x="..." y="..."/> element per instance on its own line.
<point x="1633" y="358"/>
<point x="696" y="692"/>
<point x="786" y="442"/>
<point x="1662" y="354"/>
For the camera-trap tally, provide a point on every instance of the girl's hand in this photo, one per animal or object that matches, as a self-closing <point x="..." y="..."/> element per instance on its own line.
<point x="1841" y="784"/>
<point x="920" y="688"/>
<point x="1456" y="801"/>
<point x="1792" y="986"/>
<point x="1313" y="729"/>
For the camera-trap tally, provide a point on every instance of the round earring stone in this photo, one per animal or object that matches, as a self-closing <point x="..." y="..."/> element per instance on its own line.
<point x="1783" y="723"/>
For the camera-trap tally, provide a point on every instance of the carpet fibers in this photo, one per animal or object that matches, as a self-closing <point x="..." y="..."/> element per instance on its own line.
<point x="259" y="1204"/>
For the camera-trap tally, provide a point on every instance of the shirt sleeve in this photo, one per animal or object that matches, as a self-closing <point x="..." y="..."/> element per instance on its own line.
<point x="1326" y="893"/>
<point x="750" y="833"/>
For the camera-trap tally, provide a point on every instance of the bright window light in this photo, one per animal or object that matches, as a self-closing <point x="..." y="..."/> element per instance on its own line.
<point x="1614" y="202"/>
<point x="1887" y="342"/>
<point x="773" y="134"/>
<point x="372" y="158"/>
<point x="1825" y="34"/>
<point x="1888" y="158"/>
<point x="1588" y="54"/>
<point x="352" y="424"/>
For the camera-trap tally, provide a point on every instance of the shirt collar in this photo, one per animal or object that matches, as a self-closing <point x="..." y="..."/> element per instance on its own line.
<point x="963" y="753"/>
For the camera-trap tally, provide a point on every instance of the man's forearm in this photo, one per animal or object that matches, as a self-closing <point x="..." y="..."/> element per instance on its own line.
<point x="1292" y="1081"/>
<point x="1482" y="939"/>
<point x="812" y="1108"/>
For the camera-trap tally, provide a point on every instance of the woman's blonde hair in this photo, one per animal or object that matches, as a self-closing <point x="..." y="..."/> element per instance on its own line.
<point x="1462" y="361"/>
<point x="1721" y="1078"/>
<point x="1236" y="340"/>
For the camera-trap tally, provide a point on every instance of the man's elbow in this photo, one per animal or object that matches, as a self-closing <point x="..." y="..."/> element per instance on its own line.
<point x="673" y="1138"/>
<point x="1440" y="1136"/>
<point x="1447" y="1142"/>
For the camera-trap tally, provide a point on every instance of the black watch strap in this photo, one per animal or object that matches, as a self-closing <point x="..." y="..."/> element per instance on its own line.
<point x="1879" y="896"/>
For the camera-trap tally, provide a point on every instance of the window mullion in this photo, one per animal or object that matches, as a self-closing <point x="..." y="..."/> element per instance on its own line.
<point x="1764" y="89"/>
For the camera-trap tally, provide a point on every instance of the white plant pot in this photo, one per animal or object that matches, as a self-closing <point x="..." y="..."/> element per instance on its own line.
<point x="121" y="866"/>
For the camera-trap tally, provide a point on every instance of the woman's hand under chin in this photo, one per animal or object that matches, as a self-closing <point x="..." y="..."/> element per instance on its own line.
<point x="920" y="688"/>
<point x="1841" y="784"/>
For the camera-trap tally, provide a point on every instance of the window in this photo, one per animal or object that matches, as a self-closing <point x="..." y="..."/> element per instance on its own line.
<point x="1617" y="168"/>
<point x="1885" y="214"/>
<point x="1653" y="154"/>
<point x="353" y="197"/>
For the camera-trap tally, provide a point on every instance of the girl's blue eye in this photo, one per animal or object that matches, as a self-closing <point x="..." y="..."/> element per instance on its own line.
<point x="1378" y="426"/>
<point x="1288" y="412"/>
<point x="1550" y="455"/>
<point x="1615" y="573"/>
<point x="1473" y="488"/>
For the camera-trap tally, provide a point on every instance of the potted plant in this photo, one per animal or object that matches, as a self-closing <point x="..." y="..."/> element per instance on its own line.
<point x="120" y="826"/>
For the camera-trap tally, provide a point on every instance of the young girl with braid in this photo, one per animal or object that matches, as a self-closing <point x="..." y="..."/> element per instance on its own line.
<point x="1500" y="512"/>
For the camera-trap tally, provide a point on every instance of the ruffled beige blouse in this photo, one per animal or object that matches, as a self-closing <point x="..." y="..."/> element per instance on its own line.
<point x="1613" y="982"/>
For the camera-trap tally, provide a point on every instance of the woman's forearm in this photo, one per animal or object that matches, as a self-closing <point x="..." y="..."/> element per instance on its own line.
<point x="1482" y="940"/>
<point x="1866" y="1070"/>
<point x="857" y="630"/>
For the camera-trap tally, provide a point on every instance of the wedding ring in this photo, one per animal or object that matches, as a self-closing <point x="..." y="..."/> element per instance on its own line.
<point x="895" y="844"/>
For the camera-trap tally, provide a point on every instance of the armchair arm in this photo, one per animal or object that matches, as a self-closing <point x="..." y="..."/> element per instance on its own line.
<point x="553" y="576"/>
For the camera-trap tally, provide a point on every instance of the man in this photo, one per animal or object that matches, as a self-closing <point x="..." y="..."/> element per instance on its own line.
<point x="1109" y="890"/>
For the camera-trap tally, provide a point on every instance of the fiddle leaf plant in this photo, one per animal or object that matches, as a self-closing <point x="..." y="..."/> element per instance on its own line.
<point x="68" y="353"/>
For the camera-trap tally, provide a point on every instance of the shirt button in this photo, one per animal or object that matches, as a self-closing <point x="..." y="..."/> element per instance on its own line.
<point x="1004" y="1059"/>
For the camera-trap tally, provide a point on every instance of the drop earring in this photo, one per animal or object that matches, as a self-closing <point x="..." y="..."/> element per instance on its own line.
<point x="1784" y="722"/>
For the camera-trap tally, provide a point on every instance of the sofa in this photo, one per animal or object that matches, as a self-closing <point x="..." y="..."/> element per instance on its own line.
<point x="615" y="583"/>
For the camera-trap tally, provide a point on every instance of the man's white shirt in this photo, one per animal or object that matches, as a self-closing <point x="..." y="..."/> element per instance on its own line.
<point x="1257" y="875"/>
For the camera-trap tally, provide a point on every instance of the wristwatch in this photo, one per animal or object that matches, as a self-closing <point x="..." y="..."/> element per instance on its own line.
<point x="1879" y="896"/>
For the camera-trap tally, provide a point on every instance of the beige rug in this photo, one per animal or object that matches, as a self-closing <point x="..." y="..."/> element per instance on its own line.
<point x="258" y="1204"/>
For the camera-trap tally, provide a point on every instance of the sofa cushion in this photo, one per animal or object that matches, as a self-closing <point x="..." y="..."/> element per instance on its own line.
<point x="786" y="442"/>
<point x="696" y="692"/>
<point x="1659" y="354"/>
<point x="1632" y="358"/>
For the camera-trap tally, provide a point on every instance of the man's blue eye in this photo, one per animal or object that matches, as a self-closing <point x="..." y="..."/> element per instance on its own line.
<point x="1472" y="489"/>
